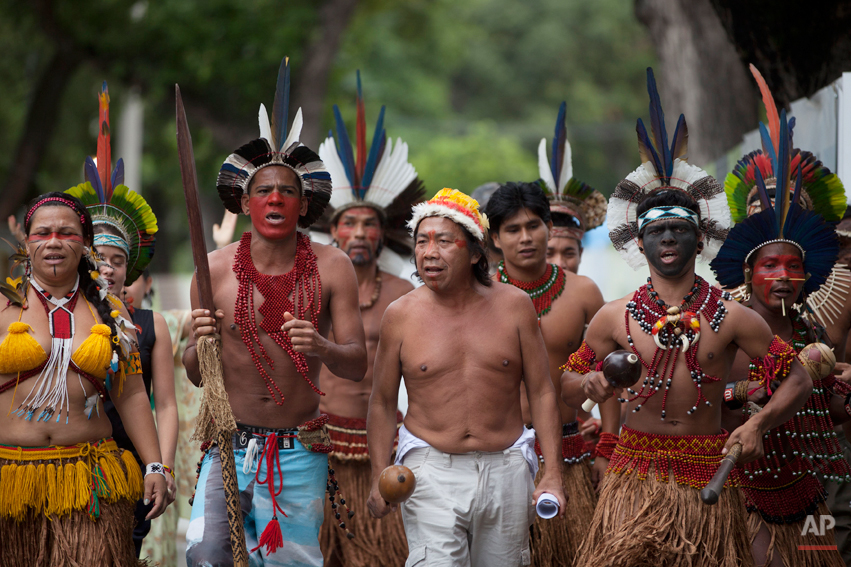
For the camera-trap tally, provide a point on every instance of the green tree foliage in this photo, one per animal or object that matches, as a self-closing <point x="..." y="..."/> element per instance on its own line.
<point x="471" y="86"/>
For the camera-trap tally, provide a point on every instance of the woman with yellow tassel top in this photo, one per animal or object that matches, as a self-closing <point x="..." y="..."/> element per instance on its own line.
<point x="67" y="491"/>
<point x="124" y="235"/>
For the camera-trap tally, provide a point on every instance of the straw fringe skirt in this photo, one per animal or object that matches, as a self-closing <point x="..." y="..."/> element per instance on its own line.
<point x="786" y="540"/>
<point x="650" y="515"/>
<point x="556" y="542"/>
<point x="377" y="543"/>
<point x="68" y="506"/>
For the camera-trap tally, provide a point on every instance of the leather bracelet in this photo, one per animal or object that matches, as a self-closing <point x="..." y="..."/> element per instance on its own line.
<point x="155" y="468"/>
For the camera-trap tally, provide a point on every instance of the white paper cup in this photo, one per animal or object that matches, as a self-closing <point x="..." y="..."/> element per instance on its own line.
<point x="547" y="506"/>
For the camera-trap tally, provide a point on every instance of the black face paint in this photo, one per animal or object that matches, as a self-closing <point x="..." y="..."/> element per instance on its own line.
<point x="670" y="245"/>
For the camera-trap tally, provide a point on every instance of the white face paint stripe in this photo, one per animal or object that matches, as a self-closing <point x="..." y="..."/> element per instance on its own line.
<point x="658" y="213"/>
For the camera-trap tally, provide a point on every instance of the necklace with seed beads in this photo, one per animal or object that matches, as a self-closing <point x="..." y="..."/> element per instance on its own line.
<point x="674" y="330"/>
<point x="375" y="294"/>
<point x="298" y="292"/>
<point x="543" y="291"/>
<point x="811" y="432"/>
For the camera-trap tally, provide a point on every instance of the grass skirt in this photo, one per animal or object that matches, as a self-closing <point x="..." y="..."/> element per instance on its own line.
<point x="650" y="514"/>
<point x="68" y="506"/>
<point x="787" y="538"/>
<point x="377" y="543"/>
<point x="556" y="542"/>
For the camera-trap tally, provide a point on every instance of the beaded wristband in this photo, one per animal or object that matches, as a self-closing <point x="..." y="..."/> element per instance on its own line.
<point x="169" y="470"/>
<point x="606" y="445"/>
<point x="157" y="468"/>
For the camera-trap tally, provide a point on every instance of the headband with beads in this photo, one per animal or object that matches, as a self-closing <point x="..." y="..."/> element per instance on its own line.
<point x="65" y="202"/>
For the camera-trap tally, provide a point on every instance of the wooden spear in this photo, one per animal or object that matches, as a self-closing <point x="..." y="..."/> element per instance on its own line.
<point x="215" y="420"/>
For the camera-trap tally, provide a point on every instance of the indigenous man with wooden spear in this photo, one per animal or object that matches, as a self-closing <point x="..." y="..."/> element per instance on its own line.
<point x="288" y="292"/>
<point x="686" y="334"/>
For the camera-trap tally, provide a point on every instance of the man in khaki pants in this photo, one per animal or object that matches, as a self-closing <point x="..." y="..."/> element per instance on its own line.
<point x="464" y="344"/>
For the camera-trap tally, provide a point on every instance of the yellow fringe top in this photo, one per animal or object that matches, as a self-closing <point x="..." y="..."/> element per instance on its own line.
<point x="20" y="352"/>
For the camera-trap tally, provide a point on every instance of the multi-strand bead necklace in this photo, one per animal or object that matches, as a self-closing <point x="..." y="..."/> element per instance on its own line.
<point x="299" y="292"/>
<point x="804" y="444"/>
<point x="543" y="291"/>
<point x="675" y="330"/>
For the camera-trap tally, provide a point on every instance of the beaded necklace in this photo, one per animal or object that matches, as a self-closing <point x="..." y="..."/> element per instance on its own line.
<point x="543" y="291"/>
<point x="301" y="284"/>
<point x="50" y="390"/>
<point x="811" y="434"/>
<point x="675" y="330"/>
<point x="375" y="294"/>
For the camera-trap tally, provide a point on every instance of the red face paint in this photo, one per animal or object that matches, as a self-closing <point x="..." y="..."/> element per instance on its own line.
<point x="432" y="243"/>
<point x="461" y="243"/>
<point x="358" y="234"/>
<point x="273" y="215"/>
<point x="778" y="272"/>
<point x="40" y="237"/>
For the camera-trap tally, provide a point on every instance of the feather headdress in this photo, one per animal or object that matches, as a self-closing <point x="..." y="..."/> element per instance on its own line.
<point x="112" y="203"/>
<point x="782" y="221"/>
<point x="381" y="179"/>
<point x="821" y="190"/>
<point x="665" y="165"/>
<point x="455" y="206"/>
<point x="567" y="194"/>
<point x="277" y="145"/>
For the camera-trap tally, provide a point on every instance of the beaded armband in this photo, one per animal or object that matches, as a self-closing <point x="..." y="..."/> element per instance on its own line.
<point x="736" y="394"/>
<point x="773" y="366"/>
<point x="606" y="445"/>
<point x="583" y="361"/>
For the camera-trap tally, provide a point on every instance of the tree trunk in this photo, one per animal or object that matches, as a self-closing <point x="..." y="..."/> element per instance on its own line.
<point x="41" y="120"/>
<point x="798" y="48"/>
<point x="700" y="75"/>
<point x="314" y="70"/>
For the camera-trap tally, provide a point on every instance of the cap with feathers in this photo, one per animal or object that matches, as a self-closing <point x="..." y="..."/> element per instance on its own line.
<point x="821" y="190"/>
<point x="111" y="202"/>
<point x="665" y="165"/>
<point x="381" y="178"/>
<point x="566" y="193"/>
<point x="277" y="145"/>
<point x="782" y="221"/>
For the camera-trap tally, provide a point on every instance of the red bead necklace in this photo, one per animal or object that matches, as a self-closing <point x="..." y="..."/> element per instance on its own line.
<point x="675" y="330"/>
<point x="543" y="291"/>
<point x="301" y="284"/>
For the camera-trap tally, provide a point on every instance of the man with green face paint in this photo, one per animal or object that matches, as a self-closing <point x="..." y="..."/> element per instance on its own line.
<point x="685" y="333"/>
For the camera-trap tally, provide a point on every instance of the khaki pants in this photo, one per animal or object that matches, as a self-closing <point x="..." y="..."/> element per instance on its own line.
<point x="469" y="510"/>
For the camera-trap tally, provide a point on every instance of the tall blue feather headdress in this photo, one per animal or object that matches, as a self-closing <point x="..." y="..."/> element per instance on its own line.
<point x="784" y="221"/>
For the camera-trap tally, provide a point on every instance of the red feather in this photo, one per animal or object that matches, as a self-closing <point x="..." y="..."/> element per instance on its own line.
<point x="104" y="154"/>
<point x="770" y="108"/>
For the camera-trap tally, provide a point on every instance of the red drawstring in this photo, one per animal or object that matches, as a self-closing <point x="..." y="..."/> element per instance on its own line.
<point x="271" y="537"/>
